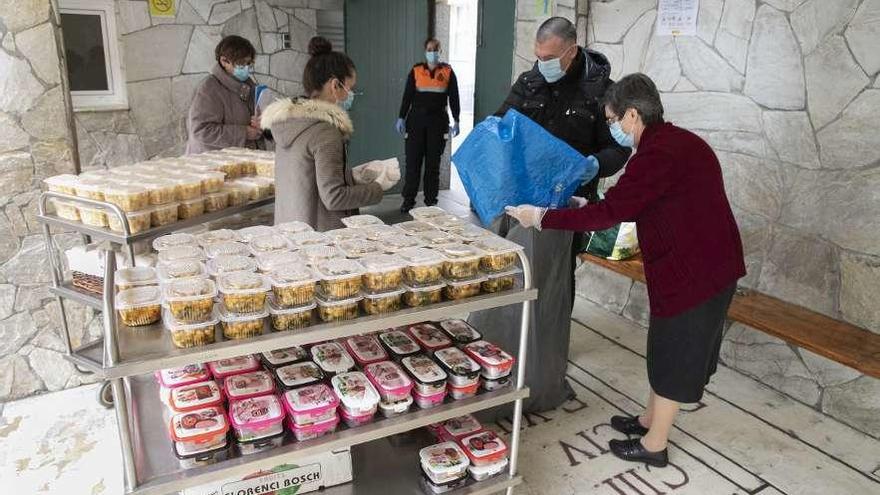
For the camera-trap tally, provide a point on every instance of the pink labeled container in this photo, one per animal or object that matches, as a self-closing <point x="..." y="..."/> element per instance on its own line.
<point x="429" y="401"/>
<point x="465" y="392"/>
<point x="429" y="377"/>
<point x="460" y="427"/>
<point x="444" y="463"/>
<point x="495" y="362"/>
<point x="257" y="417"/>
<point x="399" y="344"/>
<point x="311" y="404"/>
<point x="233" y="366"/>
<point x="185" y="375"/>
<point x="332" y="358"/>
<point x="247" y="385"/>
<point x="195" y="396"/>
<point x="359" y="420"/>
<point x="365" y="349"/>
<point x="429" y="337"/>
<point x="461" y="369"/>
<point x="390" y="380"/>
<point x="201" y="430"/>
<point x="303" y="433"/>
<point x="484" y="448"/>
<point x="359" y="397"/>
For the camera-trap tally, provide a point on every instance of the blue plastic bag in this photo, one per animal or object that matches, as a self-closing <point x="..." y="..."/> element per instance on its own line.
<point x="512" y="161"/>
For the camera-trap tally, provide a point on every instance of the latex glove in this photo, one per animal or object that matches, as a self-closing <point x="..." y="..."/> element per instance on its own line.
<point x="454" y="130"/>
<point x="593" y="164"/>
<point x="527" y="215"/>
<point x="400" y="126"/>
<point x="577" y="202"/>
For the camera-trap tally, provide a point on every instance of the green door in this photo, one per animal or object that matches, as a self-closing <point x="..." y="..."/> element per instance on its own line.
<point x="384" y="38"/>
<point x="495" y="32"/>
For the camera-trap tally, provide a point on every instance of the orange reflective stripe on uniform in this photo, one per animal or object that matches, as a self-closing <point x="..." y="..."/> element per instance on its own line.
<point x="425" y="83"/>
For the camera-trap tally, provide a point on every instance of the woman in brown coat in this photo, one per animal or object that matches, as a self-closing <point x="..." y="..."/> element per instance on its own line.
<point x="222" y="110"/>
<point x="312" y="182"/>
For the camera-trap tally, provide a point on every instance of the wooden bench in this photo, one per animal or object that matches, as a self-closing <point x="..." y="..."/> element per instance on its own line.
<point x="837" y="340"/>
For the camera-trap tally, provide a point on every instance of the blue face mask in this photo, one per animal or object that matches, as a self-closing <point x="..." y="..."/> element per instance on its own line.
<point x="621" y="137"/>
<point x="241" y="72"/>
<point x="348" y="101"/>
<point x="551" y="70"/>
<point x="432" y="57"/>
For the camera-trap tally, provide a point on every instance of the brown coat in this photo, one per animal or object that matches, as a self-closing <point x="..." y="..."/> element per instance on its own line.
<point x="220" y="113"/>
<point x="312" y="182"/>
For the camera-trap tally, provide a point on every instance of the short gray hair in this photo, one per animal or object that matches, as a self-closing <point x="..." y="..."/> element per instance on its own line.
<point x="636" y="91"/>
<point x="559" y="27"/>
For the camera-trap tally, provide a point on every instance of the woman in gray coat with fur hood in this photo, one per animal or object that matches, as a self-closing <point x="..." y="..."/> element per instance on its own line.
<point x="312" y="182"/>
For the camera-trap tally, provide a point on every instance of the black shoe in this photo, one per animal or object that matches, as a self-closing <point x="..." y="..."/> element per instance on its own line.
<point x="633" y="450"/>
<point x="404" y="208"/>
<point x="629" y="425"/>
<point x="431" y="203"/>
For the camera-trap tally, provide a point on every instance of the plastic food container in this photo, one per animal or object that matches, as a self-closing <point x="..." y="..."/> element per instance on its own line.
<point x="257" y="187"/>
<point x="181" y="253"/>
<point x="191" y="208"/>
<point x="330" y="311"/>
<point x="293" y="286"/>
<point x="161" y="191"/>
<point x="190" y="458"/>
<point x="460" y="427"/>
<point x="446" y="222"/>
<point x="358" y="221"/>
<point x="226" y="248"/>
<point x="268" y="244"/>
<point x="414" y="227"/>
<point x="298" y="375"/>
<point x="430" y="379"/>
<point x="391" y="409"/>
<point x="278" y="260"/>
<point x="164" y="214"/>
<point x="257" y="417"/>
<point x="498" y="282"/>
<point x="339" y="279"/>
<point x="291" y="228"/>
<point x="65" y="184"/>
<point x="187" y="188"/>
<point x="139" y="306"/>
<point x="399" y="344"/>
<point x="332" y="358"/>
<point x="499" y="255"/>
<point x="458" y="393"/>
<point x="238" y="326"/>
<point x="138" y="221"/>
<point x="311" y="404"/>
<point x="65" y="210"/>
<point x="380" y="304"/>
<point x="444" y="462"/>
<point x="492" y="385"/>
<point x="429" y="337"/>
<point x="471" y="233"/>
<point x="91" y="188"/>
<point x="314" y="255"/>
<point x="424" y="267"/>
<point x="395" y="243"/>
<point x="127" y="197"/>
<point x="195" y="396"/>
<point x="429" y="486"/>
<point x="423" y="296"/>
<point x="191" y="300"/>
<point x="481" y="473"/>
<point x="233" y="366"/>
<point x="212" y="182"/>
<point x="456" y="290"/>
<point x="174" y="240"/>
<point x="184" y="335"/>
<point x="339" y="236"/>
<point x="383" y="273"/>
<point x="129" y="278"/>
<point x="180" y="270"/>
<point x="359" y="248"/>
<point x="237" y="195"/>
<point x="460" y="331"/>
<point x="462" y="261"/>
<point x="358" y="396"/>
<point x="248" y="234"/>
<point x="423" y="213"/>
<point x="222" y="265"/>
<point x="390" y="381"/>
<point x="172" y="378"/>
<point x="365" y="349"/>
<point x="379" y="232"/>
<point x="265" y="168"/>
<point x="495" y="362"/>
<point x="289" y="318"/>
<point x="304" y="239"/>
<point x="243" y="292"/>
<point x="438" y="238"/>
<point x="303" y="433"/>
<point x="459" y="367"/>
<point x="201" y="430"/>
<point x="429" y="401"/>
<point x="91" y="216"/>
<point x="247" y="385"/>
<point x="283" y="357"/>
<point x="261" y="444"/>
<point x="484" y="448"/>
<point x="215" y="236"/>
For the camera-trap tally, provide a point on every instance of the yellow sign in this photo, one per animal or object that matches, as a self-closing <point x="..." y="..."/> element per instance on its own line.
<point x="163" y="8"/>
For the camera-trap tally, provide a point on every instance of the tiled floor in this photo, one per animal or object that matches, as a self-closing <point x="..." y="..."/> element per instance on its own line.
<point x="742" y="439"/>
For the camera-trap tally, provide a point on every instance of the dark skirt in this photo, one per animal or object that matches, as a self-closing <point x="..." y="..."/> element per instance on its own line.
<point x="683" y="349"/>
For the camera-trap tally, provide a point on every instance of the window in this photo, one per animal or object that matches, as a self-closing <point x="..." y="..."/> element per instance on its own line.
<point x="92" y="54"/>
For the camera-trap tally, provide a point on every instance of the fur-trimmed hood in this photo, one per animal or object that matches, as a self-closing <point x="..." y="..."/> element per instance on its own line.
<point x="298" y="115"/>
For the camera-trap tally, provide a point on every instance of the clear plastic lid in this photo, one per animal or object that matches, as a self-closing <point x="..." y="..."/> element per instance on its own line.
<point x="460" y="331"/>
<point x="310" y="398"/>
<point x="174" y="240"/>
<point x="214" y="236"/>
<point x="320" y="253"/>
<point x="224" y="315"/>
<point x="471" y="233"/>
<point x="457" y="362"/>
<point x="173" y="325"/>
<point x="180" y="253"/>
<point x="136" y="276"/>
<point x="299" y="374"/>
<point x="380" y="232"/>
<point x="190" y="289"/>
<point x="483" y="444"/>
<point x="355" y="390"/>
<point x="494" y="246"/>
<point x="235" y="365"/>
<point x="487" y="353"/>
<point x="199" y="426"/>
<point x="381" y="263"/>
<point x="292" y="276"/>
<point x="184" y="375"/>
<point x="429" y="336"/>
<point x="462" y="426"/>
<point x="444" y="459"/>
<point x="63" y="181"/>
<point x="415" y="227"/>
<point x="424" y="369"/>
<point x="249" y="384"/>
<point x="436" y="238"/>
<point x="347" y="234"/>
<point x="509" y="273"/>
<point x="332" y="357"/>
<point x="282" y="357"/>
<point x="387" y="375"/>
<point x="324" y="303"/>
<point x="242" y="283"/>
<point x="383" y="295"/>
<point x="179" y="270"/>
<point x="228" y="264"/>
<point x="359" y="221"/>
<point x="248" y="233"/>
<point x="196" y="396"/>
<point x="359" y="248"/>
<point x="268" y="244"/>
<point x="274" y="309"/>
<point x="399" y="342"/>
<point x="139" y="297"/>
<point x="291" y="228"/>
<point x="366" y="348"/>
<point x="256" y="411"/>
<point x="423" y="213"/>
<point x="455" y="284"/>
<point x="226" y="249"/>
<point x="446" y="222"/>
<point x="278" y="260"/>
<point x="339" y="269"/>
<point x="459" y="252"/>
<point x="304" y="239"/>
<point x="421" y="257"/>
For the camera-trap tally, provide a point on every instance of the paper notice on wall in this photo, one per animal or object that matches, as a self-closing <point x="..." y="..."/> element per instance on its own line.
<point x="677" y="17"/>
<point x="163" y="8"/>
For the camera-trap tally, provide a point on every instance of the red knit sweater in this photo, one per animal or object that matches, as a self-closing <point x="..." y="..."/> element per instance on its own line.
<point x="673" y="190"/>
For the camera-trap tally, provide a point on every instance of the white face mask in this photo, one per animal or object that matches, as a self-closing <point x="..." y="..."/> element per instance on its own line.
<point x="552" y="69"/>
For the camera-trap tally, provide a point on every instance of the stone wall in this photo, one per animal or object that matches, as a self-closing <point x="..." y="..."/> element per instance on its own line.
<point x="787" y="93"/>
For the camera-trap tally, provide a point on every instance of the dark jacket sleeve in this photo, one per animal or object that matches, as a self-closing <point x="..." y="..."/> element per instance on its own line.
<point x="454" y="103"/>
<point x="514" y="99"/>
<point x="408" y="92"/>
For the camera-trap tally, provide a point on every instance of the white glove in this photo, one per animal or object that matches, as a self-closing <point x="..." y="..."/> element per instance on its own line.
<point x="527" y="215"/>
<point x="577" y="202"/>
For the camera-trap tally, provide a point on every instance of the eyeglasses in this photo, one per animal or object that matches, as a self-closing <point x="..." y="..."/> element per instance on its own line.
<point x="613" y="120"/>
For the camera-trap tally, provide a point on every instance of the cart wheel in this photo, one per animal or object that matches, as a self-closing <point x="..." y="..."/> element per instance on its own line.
<point x="105" y="395"/>
<point x="83" y="370"/>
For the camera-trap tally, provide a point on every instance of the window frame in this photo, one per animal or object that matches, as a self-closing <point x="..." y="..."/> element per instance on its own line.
<point x="116" y="97"/>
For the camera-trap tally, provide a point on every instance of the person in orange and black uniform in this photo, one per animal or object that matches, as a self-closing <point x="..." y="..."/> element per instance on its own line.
<point x="424" y="122"/>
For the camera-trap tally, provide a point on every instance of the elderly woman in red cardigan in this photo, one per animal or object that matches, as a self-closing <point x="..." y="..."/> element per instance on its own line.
<point x="673" y="190"/>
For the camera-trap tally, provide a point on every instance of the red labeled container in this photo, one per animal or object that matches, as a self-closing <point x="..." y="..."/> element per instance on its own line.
<point x="399" y="344"/>
<point x="247" y="385"/>
<point x="429" y="401"/>
<point x="311" y="404"/>
<point x="465" y="392"/>
<point x="303" y="433"/>
<point x="429" y="337"/>
<point x="365" y="349"/>
<point x="178" y="377"/>
<point x="484" y="448"/>
<point x="257" y="417"/>
<point x="233" y="366"/>
<point x="429" y="376"/>
<point x="495" y="362"/>
<point x="195" y="396"/>
<point x="200" y="430"/>
<point x="390" y="380"/>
